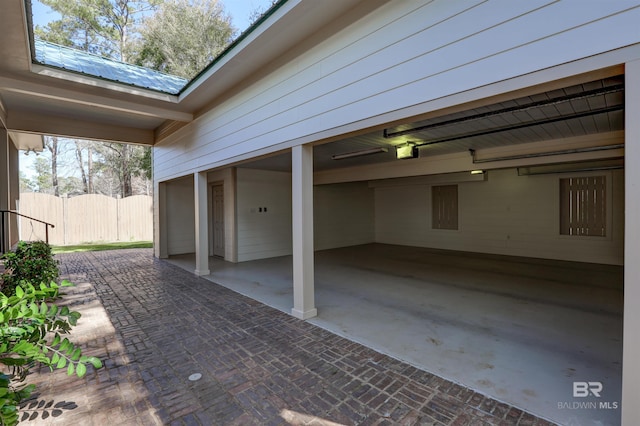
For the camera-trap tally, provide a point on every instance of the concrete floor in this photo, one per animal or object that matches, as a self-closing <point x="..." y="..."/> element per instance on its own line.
<point x="520" y="330"/>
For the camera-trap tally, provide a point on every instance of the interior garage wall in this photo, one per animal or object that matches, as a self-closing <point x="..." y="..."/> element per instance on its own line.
<point x="180" y="216"/>
<point x="343" y="215"/>
<point x="263" y="234"/>
<point x="506" y="214"/>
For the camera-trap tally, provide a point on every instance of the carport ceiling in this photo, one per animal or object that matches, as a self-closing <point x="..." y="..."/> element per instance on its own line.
<point x="578" y="110"/>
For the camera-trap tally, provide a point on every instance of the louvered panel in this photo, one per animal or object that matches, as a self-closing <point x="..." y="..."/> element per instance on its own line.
<point x="444" y="203"/>
<point x="583" y="206"/>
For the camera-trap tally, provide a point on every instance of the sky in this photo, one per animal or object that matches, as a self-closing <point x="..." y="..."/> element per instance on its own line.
<point x="240" y="11"/>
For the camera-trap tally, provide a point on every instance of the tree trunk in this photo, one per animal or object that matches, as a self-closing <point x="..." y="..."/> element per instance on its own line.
<point x="53" y="148"/>
<point x="126" y="171"/>
<point x="85" y="184"/>
<point x="90" y="171"/>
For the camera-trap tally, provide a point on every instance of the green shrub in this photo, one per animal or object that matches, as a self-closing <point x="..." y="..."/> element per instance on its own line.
<point x="32" y="327"/>
<point x="31" y="330"/>
<point x="31" y="262"/>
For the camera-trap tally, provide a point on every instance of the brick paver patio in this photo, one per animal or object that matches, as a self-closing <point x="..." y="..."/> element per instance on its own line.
<point x="154" y="325"/>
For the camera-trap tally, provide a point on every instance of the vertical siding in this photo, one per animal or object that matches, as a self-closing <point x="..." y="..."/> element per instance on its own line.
<point x="86" y="218"/>
<point x="507" y="214"/>
<point x="343" y="215"/>
<point x="100" y="222"/>
<point x="43" y="207"/>
<point x="135" y="218"/>
<point x="402" y="55"/>
<point x="263" y="234"/>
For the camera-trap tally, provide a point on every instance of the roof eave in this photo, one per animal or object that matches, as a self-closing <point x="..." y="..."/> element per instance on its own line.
<point x="96" y="81"/>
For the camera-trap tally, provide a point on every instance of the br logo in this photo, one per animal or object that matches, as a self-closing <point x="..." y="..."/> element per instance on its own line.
<point x="584" y="389"/>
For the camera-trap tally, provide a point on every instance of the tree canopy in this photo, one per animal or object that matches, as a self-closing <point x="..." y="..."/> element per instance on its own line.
<point x="103" y="27"/>
<point x="179" y="37"/>
<point x="184" y="36"/>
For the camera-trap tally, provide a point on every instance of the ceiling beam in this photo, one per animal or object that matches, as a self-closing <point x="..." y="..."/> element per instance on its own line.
<point x="78" y="97"/>
<point x="462" y="161"/>
<point x="73" y="128"/>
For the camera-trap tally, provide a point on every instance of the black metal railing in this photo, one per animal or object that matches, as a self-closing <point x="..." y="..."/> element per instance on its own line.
<point x="4" y="243"/>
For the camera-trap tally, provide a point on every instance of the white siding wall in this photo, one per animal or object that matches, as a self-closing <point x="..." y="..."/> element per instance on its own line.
<point x="507" y="214"/>
<point x="343" y="215"/>
<point x="180" y="216"/>
<point x="263" y="234"/>
<point x="400" y="57"/>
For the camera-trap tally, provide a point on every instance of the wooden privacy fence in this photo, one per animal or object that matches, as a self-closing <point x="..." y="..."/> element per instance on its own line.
<point x="87" y="218"/>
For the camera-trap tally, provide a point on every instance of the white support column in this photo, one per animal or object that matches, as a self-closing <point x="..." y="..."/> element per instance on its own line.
<point x="302" y="221"/>
<point x="631" y="339"/>
<point x="200" y="186"/>
<point x="160" y="221"/>
<point x="230" y="216"/>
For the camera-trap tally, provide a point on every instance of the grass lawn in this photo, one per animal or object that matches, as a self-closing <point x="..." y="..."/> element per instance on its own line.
<point x="101" y="246"/>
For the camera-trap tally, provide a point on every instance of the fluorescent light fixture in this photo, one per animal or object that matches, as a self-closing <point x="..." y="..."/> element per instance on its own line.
<point x="580" y="166"/>
<point x="477" y="172"/>
<point x="406" y="151"/>
<point x="359" y="153"/>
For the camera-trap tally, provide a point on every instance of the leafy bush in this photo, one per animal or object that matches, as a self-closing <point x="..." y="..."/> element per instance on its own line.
<point x="31" y="329"/>
<point x="30" y="262"/>
<point x="32" y="326"/>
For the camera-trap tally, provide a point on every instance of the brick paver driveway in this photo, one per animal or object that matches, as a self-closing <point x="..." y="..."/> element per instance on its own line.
<point x="155" y="325"/>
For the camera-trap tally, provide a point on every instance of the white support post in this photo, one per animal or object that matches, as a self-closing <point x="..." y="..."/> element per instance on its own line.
<point x="160" y="237"/>
<point x="200" y="185"/>
<point x="302" y="222"/>
<point x="631" y="337"/>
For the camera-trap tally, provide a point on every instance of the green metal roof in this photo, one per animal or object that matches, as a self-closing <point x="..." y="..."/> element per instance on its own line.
<point x="80" y="62"/>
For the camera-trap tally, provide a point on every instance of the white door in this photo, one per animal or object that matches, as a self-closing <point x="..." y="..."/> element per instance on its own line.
<point x="218" y="221"/>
